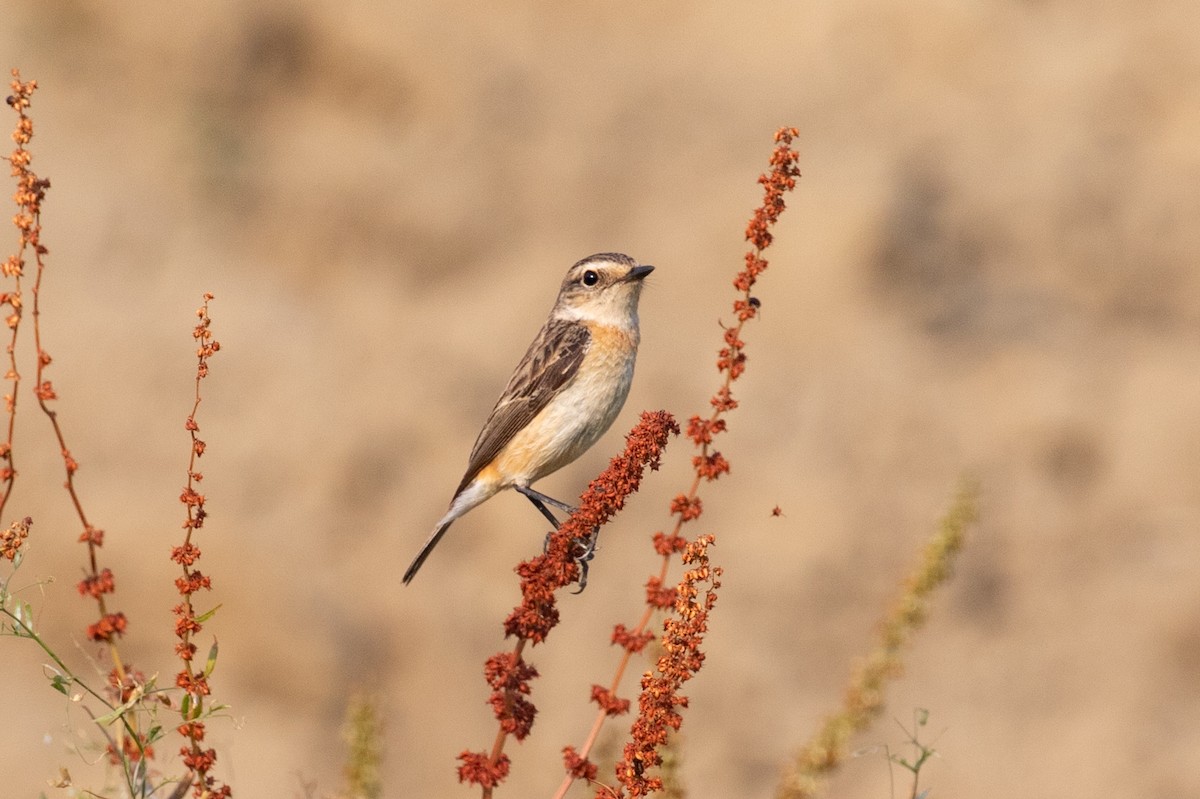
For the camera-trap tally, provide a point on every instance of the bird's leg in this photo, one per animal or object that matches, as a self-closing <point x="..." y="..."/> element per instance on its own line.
<point x="540" y="501"/>
<point x="588" y="545"/>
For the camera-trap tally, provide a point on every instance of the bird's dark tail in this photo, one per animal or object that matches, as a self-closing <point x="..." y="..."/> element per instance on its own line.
<point x="468" y="496"/>
<point x="426" y="549"/>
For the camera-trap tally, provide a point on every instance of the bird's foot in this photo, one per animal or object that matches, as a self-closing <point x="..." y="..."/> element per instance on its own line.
<point x="584" y="550"/>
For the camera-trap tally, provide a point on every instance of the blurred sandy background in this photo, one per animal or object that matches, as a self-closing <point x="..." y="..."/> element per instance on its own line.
<point x="990" y="266"/>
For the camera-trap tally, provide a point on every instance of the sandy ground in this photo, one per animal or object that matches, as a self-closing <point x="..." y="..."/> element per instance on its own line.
<point x="989" y="268"/>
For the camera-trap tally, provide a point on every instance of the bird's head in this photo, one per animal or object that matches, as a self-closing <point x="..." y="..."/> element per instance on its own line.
<point x="602" y="288"/>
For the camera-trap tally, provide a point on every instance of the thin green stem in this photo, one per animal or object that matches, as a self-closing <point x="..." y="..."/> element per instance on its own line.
<point x="30" y="633"/>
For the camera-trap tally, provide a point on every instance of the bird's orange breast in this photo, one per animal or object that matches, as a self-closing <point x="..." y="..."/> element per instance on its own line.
<point x="579" y="414"/>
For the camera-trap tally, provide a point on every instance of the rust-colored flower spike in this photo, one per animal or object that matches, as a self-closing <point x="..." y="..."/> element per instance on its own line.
<point x="658" y="705"/>
<point x="541" y="577"/>
<point x="194" y="682"/>
<point x="128" y="744"/>
<point x="97" y="583"/>
<point x="709" y="464"/>
<point x="28" y="197"/>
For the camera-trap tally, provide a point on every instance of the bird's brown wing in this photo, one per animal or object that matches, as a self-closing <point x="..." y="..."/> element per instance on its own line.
<point x="551" y="361"/>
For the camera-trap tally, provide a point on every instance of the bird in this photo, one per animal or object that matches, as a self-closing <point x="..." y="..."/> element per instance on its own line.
<point x="564" y="394"/>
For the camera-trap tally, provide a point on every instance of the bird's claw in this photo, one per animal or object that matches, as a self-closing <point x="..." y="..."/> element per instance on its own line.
<point x="583" y="550"/>
<point x="583" y="558"/>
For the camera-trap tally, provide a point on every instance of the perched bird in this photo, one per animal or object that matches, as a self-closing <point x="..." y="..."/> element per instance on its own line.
<point x="564" y="394"/>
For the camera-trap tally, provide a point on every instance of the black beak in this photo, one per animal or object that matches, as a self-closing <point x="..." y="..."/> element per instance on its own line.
<point x="639" y="272"/>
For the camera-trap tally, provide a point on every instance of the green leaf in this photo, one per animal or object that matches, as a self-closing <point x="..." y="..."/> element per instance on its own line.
<point x="211" y="663"/>
<point x="60" y="684"/>
<point x="203" y="617"/>
<point x="109" y="718"/>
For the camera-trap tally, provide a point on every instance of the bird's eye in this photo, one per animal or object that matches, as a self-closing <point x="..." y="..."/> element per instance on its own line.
<point x="590" y="278"/>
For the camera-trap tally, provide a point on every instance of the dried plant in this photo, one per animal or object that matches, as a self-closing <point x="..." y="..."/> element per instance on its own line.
<point x="866" y="692"/>
<point x="708" y="465"/>
<point x="31" y="190"/>
<point x="364" y="736"/>
<point x="198" y="758"/>
<point x="682" y="657"/>
<point x="541" y="578"/>
<point x="12" y="539"/>
<point x="129" y="699"/>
